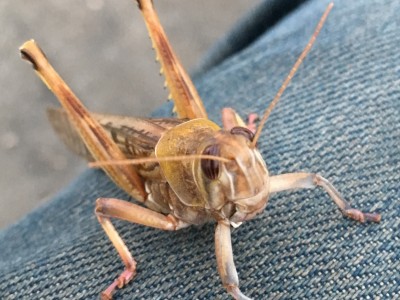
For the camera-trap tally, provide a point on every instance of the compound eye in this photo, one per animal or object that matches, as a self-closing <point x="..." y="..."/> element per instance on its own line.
<point x="247" y="133"/>
<point x="211" y="167"/>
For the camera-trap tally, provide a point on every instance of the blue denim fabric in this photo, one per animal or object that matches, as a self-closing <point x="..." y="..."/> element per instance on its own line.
<point x="339" y="117"/>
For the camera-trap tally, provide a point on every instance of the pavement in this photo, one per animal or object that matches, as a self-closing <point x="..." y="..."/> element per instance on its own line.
<point x="101" y="49"/>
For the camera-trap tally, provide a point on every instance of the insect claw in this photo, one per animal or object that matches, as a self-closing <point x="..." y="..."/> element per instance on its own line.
<point x="373" y="217"/>
<point x="237" y="294"/>
<point x="105" y="296"/>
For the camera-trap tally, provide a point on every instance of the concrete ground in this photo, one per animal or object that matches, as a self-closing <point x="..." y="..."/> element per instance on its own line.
<point x="101" y="49"/>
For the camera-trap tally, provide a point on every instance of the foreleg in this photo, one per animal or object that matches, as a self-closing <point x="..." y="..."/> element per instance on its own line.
<point x="308" y="180"/>
<point x="225" y="264"/>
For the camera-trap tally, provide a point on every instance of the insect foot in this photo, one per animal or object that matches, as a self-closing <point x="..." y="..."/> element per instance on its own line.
<point x="359" y="216"/>
<point x="120" y="282"/>
<point x="343" y="205"/>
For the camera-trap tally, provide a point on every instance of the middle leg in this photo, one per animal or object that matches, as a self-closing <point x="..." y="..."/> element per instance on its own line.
<point x="107" y="208"/>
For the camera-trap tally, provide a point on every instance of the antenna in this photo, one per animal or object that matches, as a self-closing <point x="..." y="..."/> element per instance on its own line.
<point x="137" y="161"/>
<point x="291" y="74"/>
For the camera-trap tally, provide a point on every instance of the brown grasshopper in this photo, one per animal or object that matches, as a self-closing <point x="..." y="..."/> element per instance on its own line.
<point x="187" y="171"/>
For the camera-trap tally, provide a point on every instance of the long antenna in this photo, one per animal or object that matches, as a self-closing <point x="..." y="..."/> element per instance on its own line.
<point x="291" y="74"/>
<point x="137" y="161"/>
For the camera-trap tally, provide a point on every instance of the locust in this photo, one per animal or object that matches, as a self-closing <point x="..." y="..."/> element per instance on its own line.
<point x="185" y="170"/>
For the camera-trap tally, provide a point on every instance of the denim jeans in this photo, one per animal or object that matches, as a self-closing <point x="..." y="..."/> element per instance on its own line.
<point x="340" y="117"/>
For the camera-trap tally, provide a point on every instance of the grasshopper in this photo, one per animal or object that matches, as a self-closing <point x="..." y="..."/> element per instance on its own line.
<point x="186" y="171"/>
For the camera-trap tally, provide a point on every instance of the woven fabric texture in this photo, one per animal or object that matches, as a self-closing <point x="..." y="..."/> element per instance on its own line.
<point x="339" y="117"/>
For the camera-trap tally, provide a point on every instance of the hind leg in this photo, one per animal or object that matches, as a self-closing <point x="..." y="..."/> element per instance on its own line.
<point x="100" y="145"/>
<point x="188" y="103"/>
